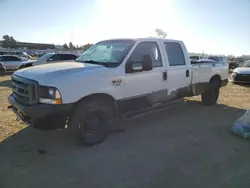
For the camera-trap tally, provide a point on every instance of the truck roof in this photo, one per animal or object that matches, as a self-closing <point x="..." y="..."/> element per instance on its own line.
<point x="143" y="39"/>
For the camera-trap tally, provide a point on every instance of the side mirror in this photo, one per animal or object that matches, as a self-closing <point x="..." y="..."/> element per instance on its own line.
<point x="145" y="65"/>
<point x="50" y="59"/>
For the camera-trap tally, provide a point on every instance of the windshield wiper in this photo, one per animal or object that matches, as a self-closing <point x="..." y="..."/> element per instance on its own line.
<point x="93" y="62"/>
<point x="105" y="64"/>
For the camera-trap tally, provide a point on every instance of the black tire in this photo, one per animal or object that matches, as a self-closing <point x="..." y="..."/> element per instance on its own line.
<point x="51" y="123"/>
<point x="2" y="71"/>
<point x="90" y="123"/>
<point x="211" y="95"/>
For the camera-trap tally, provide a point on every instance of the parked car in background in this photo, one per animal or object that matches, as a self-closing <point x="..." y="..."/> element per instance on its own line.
<point x="20" y="54"/>
<point x="194" y="58"/>
<point x="241" y="74"/>
<point x="216" y="58"/>
<point x="49" y="58"/>
<point x="3" y="53"/>
<point x="11" y="62"/>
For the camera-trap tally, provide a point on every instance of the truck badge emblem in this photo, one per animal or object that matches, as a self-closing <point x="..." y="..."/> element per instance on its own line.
<point x="116" y="82"/>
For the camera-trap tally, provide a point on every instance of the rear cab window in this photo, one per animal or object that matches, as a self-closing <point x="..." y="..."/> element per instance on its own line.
<point x="175" y="54"/>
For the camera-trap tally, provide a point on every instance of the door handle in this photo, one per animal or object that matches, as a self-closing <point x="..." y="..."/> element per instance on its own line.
<point x="165" y="75"/>
<point x="187" y="73"/>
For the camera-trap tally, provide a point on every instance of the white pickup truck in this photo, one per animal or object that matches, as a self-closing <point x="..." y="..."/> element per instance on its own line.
<point x="112" y="79"/>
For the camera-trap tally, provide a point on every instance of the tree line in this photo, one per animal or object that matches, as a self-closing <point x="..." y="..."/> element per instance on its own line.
<point x="10" y="42"/>
<point x="76" y="47"/>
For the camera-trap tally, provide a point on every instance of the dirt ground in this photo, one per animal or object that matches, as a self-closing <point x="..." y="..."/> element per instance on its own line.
<point x="186" y="146"/>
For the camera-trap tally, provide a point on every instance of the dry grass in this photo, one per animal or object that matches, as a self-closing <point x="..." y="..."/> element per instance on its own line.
<point x="8" y="123"/>
<point x="232" y="96"/>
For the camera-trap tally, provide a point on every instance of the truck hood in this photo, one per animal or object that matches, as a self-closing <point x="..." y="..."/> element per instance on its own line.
<point x="51" y="71"/>
<point x="242" y="70"/>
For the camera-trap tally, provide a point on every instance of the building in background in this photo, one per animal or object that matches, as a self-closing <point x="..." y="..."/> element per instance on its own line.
<point x="32" y="46"/>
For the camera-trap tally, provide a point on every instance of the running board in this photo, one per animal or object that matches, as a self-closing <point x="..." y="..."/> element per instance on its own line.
<point x="154" y="108"/>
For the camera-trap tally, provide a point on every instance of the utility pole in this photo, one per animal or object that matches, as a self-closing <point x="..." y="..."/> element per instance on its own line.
<point x="71" y="37"/>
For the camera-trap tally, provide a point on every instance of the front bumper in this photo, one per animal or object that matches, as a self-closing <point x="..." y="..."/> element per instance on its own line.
<point x="240" y="78"/>
<point x="33" y="113"/>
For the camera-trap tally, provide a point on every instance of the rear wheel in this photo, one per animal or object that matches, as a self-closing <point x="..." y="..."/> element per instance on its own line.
<point x="2" y="71"/>
<point x="91" y="121"/>
<point x="211" y="95"/>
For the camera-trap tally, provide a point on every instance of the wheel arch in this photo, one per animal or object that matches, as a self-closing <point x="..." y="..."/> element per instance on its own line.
<point x="102" y="97"/>
<point x="216" y="78"/>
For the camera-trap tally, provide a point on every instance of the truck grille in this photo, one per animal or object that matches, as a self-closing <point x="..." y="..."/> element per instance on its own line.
<point x="24" y="90"/>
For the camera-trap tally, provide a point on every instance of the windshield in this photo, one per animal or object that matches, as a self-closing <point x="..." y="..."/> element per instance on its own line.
<point x="247" y="64"/>
<point x="45" y="56"/>
<point x="107" y="53"/>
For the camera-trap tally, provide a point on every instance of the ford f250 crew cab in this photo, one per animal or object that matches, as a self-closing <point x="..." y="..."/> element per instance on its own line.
<point x="112" y="79"/>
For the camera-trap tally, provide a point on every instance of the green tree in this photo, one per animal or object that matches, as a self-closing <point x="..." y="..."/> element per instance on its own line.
<point x="12" y="42"/>
<point x="6" y="39"/>
<point x="86" y="46"/>
<point x="160" y="33"/>
<point x="9" y="42"/>
<point x="65" y="46"/>
<point x="71" y="46"/>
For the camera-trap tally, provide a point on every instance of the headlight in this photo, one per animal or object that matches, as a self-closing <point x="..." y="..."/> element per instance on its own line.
<point x="49" y="95"/>
<point x="234" y="74"/>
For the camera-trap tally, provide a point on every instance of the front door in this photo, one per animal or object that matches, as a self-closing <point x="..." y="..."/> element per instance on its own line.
<point x="146" y="88"/>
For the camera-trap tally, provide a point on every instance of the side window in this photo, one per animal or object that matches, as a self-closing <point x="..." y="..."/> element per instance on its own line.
<point x="64" y="57"/>
<point x="55" y="57"/>
<point x="4" y="58"/>
<point x="69" y="57"/>
<point x="10" y="58"/>
<point x="147" y="48"/>
<point x="175" y="54"/>
<point x="14" y="59"/>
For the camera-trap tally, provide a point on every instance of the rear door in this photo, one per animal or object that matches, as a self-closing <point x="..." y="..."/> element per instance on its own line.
<point x="15" y="63"/>
<point x="11" y="62"/>
<point x="179" y="71"/>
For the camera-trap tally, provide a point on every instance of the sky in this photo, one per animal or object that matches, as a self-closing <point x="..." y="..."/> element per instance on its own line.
<point x="213" y="26"/>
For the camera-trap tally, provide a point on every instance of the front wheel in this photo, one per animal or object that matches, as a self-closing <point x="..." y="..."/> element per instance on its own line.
<point x="211" y="95"/>
<point x="91" y="122"/>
